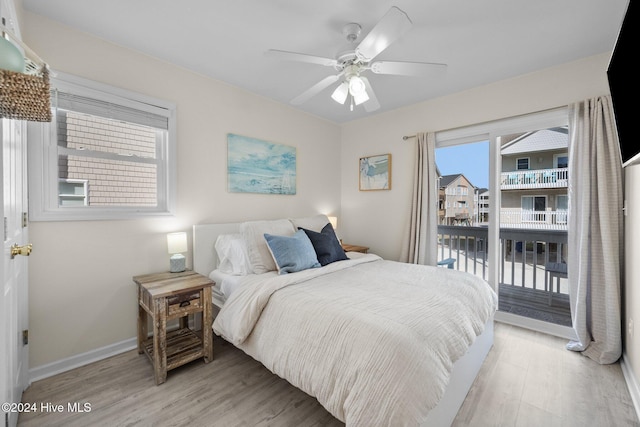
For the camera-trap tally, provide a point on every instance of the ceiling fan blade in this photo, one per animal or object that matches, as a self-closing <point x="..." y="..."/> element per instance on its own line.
<point x="372" y="104"/>
<point x="391" y="27"/>
<point x="315" y="89"/>
<point x="406" y="68"/>
<point x="301" y="57"/>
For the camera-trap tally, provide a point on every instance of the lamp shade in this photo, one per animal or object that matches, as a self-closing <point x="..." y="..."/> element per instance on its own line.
<point x="361" y="97"/>
<point x="356" y="86"/>
<point x="334" y="221"/>
<point x="177" y="242"/>
<point x="340" y="94"/>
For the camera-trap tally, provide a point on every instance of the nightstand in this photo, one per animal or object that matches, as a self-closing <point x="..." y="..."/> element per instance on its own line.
<point x="354" y="248"/>
<point x="167" y="296"/>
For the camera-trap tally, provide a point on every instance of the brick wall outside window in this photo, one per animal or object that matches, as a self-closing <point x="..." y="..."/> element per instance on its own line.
<point x="110" y="182"/>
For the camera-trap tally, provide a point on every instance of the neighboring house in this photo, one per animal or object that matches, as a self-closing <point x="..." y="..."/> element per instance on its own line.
<point x="534" y="180"/>
<point x="456" y="200"/>
<point x="92" y="171"/>
<point x="481" y="200"/>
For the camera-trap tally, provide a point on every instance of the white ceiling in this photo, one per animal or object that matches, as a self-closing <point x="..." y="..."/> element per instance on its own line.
<point x="482" y="41"/>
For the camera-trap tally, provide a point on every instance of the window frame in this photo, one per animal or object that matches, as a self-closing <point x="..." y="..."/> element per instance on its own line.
<point x="558" y="156"/>
<point x="528" y="159"/>
<point x="533" y="201"/>
<point x="85" y="186"/>
<point x="43" y="157"/>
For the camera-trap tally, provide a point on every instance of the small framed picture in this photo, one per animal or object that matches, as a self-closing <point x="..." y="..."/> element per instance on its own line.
<point x="375" y="172"/>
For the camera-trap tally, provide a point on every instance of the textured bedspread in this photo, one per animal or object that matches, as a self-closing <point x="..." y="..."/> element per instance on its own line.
<point x="373" y="340"/>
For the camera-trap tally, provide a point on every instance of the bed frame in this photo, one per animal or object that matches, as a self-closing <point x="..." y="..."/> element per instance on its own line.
<point x="464" y="372"/>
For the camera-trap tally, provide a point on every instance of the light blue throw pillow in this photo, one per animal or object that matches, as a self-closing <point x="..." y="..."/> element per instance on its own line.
<point x="292" y="253"/>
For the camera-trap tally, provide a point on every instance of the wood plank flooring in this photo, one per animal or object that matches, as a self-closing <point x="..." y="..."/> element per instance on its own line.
<point x="528" y="379"/>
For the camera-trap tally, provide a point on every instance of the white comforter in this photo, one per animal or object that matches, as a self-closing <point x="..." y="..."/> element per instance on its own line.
<point x="373" y="340"/>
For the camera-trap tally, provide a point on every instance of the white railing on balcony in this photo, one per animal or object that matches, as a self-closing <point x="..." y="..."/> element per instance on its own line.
<point x="540" y="220"/>
<point x="540" y="178"/>
<point x="524" y="287"/>
<point x="523" y="253"/>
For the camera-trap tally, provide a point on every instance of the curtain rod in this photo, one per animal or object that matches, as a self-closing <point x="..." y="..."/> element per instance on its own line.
<point x="404" y="138"/>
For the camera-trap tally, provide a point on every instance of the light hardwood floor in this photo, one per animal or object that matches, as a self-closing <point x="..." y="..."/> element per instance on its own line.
<point x="528" y="379"/>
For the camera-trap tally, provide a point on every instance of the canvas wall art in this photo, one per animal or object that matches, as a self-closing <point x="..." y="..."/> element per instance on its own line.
<point x="257" y="166"/>
<point x="375" y="172"/>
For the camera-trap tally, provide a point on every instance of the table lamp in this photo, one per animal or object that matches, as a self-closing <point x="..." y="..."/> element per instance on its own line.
<point x="177" y="244"/>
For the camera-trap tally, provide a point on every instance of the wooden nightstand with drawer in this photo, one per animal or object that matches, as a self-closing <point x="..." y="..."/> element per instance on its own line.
<point x="354" y="248"/>
<point x="166" y="296"/>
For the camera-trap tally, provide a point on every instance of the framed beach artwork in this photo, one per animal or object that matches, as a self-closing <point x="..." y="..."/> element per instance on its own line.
<point x="375" y="172"/>
<point x="257" y="166"/>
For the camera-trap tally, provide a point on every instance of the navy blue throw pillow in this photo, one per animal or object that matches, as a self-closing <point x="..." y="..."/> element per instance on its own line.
<point x="326" y="245"/>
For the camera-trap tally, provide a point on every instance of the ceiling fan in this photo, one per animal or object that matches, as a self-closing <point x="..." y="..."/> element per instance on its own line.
<point x="354" y="61"/>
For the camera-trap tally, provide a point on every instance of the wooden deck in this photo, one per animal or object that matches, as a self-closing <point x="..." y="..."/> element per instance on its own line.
<point x="534" y="303"/>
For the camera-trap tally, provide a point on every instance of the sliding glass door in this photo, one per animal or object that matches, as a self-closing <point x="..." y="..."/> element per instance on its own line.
<point x="533" y="225"/>
<point x="503" y="213"/>
<point x="463" y="214"/>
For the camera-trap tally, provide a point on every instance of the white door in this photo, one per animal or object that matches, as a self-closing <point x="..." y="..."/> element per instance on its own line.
<point x="14" y="356"/>
<point x="14" y="296"/>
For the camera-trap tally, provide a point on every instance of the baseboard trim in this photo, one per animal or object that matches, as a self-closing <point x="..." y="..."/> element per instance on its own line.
<point x="66" y="364"/>
<point x="632" y="383"/>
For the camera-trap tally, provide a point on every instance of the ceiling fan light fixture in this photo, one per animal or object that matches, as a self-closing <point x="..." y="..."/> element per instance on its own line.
<point x="340" y="94"/>
<point x="356" y="86"/>
<point x="361" y="97"/>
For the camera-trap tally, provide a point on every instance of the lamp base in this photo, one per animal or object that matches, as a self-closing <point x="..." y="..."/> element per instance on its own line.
<point x="177" y="263"/>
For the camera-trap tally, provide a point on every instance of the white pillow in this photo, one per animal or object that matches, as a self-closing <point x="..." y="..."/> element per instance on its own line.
<point x="232" y="255"/>
<point x="253" y="233"/>
<point x="314" y="223"/>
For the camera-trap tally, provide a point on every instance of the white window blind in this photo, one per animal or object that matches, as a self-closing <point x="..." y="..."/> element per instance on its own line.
<point x="110" y="110"/>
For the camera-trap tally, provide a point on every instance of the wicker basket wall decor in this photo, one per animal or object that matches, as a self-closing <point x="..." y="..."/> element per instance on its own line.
<point x="25" y="96"/>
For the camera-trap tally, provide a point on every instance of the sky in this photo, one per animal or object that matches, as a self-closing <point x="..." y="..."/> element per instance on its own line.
<point x="471" y="160"/>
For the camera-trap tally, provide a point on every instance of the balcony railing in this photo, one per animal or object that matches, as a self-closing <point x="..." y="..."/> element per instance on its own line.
<point x="467" y="245"/>
<point x="530" y="219"/>
<point x="529" y="179"/>
<point x="524" y="287"/>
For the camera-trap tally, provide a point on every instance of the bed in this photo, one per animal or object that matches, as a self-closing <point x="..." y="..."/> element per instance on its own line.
<point x="377" y="342"/>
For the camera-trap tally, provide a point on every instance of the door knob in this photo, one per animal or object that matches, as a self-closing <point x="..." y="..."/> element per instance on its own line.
<point x="21" y="250"/>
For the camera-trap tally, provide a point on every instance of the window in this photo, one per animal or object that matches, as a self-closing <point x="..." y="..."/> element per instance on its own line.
<point x="522" y="163"/>
<point x="534" y="203"/>
<point x="561" y="161"/>
<point x="533" y="208"/>
<point x="562" y="202"/>
<point x="562" y="207"/>
<point x="73" y="192"/>
<point x="107" y="154"/>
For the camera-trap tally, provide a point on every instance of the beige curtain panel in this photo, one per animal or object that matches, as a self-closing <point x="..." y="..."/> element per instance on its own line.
<point x="420" y="243"/>
<point x="595" y="230"/>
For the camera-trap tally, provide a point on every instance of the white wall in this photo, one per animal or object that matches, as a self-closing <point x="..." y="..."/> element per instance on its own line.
<point x="631" y="320"/>
<point x="378" y="219"/>
<point x="81" y="293"/>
